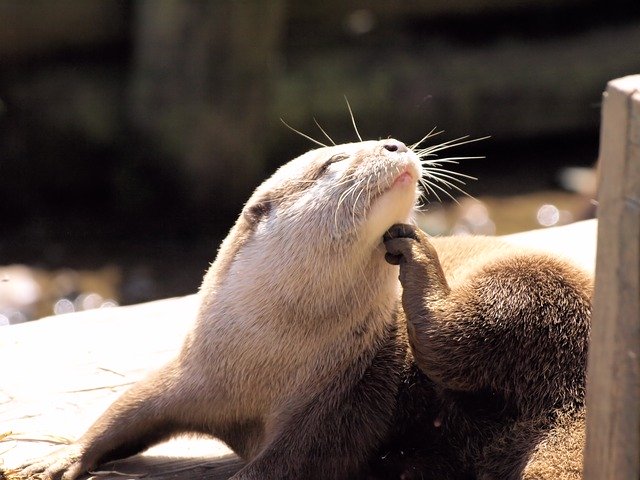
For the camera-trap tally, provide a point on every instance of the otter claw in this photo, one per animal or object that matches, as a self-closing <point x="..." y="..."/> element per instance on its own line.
<point x="399" y="250"/>
<point x="393" y="259"/>
<point x="397" y="240"/>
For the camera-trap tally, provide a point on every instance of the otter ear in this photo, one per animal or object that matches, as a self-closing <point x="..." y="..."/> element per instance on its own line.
<point x="256" y="211"/>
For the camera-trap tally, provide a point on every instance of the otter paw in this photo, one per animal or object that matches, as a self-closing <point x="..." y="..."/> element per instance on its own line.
<point x="401" y="230"/>
<point x="398" y="241"/>
<point x="66" y="462"/>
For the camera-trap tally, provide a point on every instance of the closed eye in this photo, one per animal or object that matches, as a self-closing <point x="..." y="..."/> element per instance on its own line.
<point x="334" y="159"/>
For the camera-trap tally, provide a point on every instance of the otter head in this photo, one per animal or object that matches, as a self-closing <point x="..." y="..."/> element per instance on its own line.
<point x="340" y="194"/>
<point x="318" y="222"/>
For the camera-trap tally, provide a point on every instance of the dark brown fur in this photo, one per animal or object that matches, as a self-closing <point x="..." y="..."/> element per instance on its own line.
<point x="505" y="345"/>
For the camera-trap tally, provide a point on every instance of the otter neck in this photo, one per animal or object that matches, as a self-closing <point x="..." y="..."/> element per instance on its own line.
<point x="345" y="290"/>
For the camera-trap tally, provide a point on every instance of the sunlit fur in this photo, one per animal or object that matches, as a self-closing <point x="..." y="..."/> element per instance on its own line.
<point x="305" y="272"/>
<point x="296" y="298"/>
<point x="300" y="358"/>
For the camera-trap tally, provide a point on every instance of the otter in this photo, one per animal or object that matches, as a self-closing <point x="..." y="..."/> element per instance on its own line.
<point x="333" y="342"/>
<point x="503" y="333"/>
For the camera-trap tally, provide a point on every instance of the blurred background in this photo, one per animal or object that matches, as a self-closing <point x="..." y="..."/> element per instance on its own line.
<point x="131" y="132"/>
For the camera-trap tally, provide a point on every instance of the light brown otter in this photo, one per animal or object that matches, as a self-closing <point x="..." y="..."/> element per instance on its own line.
<point x="292" y="361"/>
<point x="300" y="359"/>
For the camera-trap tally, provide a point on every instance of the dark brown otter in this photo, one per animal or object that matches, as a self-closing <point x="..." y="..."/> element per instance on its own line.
<point x="503" y="335"/>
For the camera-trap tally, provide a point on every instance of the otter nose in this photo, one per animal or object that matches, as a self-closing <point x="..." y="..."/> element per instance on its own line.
<point x="395" y="146"/>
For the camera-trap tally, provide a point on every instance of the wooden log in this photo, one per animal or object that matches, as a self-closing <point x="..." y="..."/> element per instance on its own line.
<point x="60" y="373"/>
<point x="613" y="385"/>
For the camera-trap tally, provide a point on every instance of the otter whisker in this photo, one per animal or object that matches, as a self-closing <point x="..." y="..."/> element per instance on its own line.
<point x="449" y="144"/>
<point x="346" y="179"/>
<point x="436" y="167"/>
<point x="422" y="206"/>
<point x="353" y="120"/>
<point x="444" y="176"/>
<point x="450" y="185"/>
<point x="323" y="131"/>
<point x="356" y="186"/>
<point x="434" y="185"/>
<point x="437" y="161"/>
<point x="352" y="191"/>
<point x="441" y="146"/>
<point x="423" y="201"/>
<point x="302" y="134"/>
<point x="303" y="182"/>
<point x="379" y="187"/>
<point x="426" y="137"/>
<point x="343" y="197"/>
<point x="435" y="177"/>
<point x="335" y="187"/>
<point x="355" y="203"/>
<point x="455" y="176"/>
<point x="428" y="189"/>
<point x="442" y="181"/>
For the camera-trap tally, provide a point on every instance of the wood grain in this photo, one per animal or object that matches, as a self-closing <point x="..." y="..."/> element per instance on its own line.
<point x="613" y="385"/>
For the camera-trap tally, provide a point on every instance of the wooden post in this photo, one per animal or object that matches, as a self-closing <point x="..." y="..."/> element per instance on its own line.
<point x="613" y="384"/>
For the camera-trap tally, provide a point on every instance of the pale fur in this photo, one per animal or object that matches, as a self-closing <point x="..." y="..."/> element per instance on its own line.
<point x="284" y="289"/>
<point x="274" y="333"/>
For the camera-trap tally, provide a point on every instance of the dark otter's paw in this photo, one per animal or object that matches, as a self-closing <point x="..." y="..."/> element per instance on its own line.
<point x="409" y="247"/>
<point x="398" y="241"/>
<point x="401" y="230"/>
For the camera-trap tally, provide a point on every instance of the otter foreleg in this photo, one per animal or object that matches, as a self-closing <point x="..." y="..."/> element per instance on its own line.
<point x="334" y="433"/>
<point x="518" y="326"/>
<point x="140" y="418"/>
<point x="425" y="299"/>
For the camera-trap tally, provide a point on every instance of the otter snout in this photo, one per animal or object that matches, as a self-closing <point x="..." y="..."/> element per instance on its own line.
<point x="392" y="145"/>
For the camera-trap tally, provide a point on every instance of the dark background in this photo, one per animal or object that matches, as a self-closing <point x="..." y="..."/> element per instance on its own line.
<point x="131" y="132"/>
